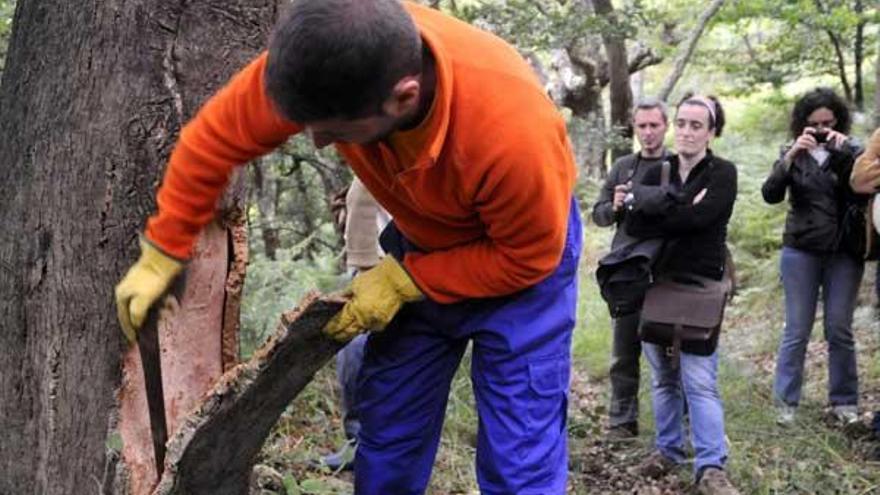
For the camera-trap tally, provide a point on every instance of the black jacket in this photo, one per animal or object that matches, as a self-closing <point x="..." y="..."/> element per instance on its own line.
<point x="625" y="169"/>
<point x="817" y="196"/>
<point x="698" y="232"/>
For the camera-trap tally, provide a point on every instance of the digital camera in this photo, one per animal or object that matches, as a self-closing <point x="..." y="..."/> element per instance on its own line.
<point x="821" y="136"/>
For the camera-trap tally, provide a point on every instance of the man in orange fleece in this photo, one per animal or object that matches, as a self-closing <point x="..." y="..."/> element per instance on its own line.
<point x="450" y="131"/>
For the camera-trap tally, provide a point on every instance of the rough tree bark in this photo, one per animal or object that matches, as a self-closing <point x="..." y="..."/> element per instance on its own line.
<point x="877" y="86"/>
<point x="687" y="50"/>
<point x="93" y="97"/>
<point x="620" y="92"/>
<point x="576" y="87"/>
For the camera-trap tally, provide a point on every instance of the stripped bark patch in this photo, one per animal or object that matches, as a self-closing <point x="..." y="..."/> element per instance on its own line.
<point x="216" y="447"/>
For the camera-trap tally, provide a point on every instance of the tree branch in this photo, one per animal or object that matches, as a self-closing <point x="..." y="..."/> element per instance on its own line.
<point x="690" y="45"/>
<point x="838" y="51"/>
<point x="841" y="65"/>
<point x="642" y="59"/>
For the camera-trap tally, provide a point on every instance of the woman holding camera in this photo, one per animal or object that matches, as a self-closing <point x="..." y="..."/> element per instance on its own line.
<point x="817" y="253"/>
<point x="691" y="210"/>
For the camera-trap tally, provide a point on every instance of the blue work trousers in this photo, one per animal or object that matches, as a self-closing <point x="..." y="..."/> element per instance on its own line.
<point x="519" y="373"/>
<point x="839" y="276"/>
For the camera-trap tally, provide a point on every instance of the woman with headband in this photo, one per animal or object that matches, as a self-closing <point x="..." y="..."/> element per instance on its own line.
<point x="817" y="253"/>
<point x="692" y="211"/>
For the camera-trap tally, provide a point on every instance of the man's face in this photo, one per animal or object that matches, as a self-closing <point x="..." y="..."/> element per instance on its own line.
<point x="365" y="130"/>
<point x="650" y="127"/>
<point x="395" y="113"/>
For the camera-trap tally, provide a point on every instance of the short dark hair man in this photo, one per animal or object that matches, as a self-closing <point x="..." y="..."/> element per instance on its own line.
<point x="650" y="123"/>
<point x="451" y="132"/>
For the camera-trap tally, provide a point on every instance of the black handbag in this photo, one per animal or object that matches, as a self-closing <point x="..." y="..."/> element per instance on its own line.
<point x="852" y="232"/>
<point x="856" y="234"/>
<point x="683" y="313"/>
<point x="624" y="277"/>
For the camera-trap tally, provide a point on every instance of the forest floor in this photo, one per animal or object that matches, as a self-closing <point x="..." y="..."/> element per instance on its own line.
<point x="810" y="456"/>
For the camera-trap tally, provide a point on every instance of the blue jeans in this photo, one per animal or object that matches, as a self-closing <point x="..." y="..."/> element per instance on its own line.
<point x="348" y="365"/>
<point x="839" y="276"/>
<point x="698" y="377"/>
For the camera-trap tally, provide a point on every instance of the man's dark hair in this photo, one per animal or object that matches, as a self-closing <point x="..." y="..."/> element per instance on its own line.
<point x="340" y="58"/>
<point x="821" y="97"/>
<point x="710" y="103"/>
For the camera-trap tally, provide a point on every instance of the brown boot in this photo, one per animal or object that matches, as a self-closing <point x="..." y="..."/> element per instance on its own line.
<point x="625" y="431"/>
<point x="655" y="466"/>
<point x="714" y="482"/>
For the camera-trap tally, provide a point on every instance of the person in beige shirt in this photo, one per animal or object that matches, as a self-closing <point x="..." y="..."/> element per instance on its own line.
<point x="865" y="179"/>
<point x="364" y="221"/>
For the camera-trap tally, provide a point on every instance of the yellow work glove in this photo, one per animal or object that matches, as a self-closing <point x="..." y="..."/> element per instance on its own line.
<point x="142" y="286"/>
<point x="376" y="296"/>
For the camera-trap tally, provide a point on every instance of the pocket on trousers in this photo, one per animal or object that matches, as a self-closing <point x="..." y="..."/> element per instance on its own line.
<point x="548" y="401"/>
<point x="549" y="376"/>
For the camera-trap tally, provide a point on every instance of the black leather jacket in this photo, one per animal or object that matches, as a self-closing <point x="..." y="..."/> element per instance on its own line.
<point x="817" y="195"/>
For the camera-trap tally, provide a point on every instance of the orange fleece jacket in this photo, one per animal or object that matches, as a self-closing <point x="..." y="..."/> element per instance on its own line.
<point x="487" y="200"/>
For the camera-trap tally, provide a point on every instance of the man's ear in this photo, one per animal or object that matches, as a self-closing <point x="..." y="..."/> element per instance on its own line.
<point x="404" y="98"/>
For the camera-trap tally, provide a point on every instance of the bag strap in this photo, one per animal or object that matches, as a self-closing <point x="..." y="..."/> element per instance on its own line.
<point x="729" y="272"/>
<point x="869" y="225"/>
<point x="665" y="169"/>
<point x="674" y="351"/>
<point x="634" y="169"/>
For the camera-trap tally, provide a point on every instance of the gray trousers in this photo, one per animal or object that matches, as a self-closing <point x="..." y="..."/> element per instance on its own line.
<point x="348" y="365"/>
<point x="625" y="352"/>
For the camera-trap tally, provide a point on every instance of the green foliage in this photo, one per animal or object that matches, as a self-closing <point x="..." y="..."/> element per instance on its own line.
<point x="756" y="131"/>
<point x="291" y="194"/>
<point x="114" y="442"/>
<point x="592" y="339"/>
<point x="781" y="41"/>
<point x="549" y="24"/>
<point x="273" y="287"/>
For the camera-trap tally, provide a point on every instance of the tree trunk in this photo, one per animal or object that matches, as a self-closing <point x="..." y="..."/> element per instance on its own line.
<point x="265" y="189"/>
<point x="685" y="55"/>
<point x="858" y="59"/>
<point x="583" y="98"/>
<point x="841" y="65"/>
<point x="877" y="86"/>
<point x="93" y="96"/>
<point x="620" y="93"/>
<point x="595" y="162"/>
